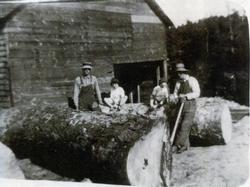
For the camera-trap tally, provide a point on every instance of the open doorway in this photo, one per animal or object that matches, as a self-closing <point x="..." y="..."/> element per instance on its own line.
<point x="139" y="79"/>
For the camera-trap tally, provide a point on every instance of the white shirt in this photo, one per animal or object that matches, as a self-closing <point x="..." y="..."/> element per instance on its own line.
<point x="160" y="93"/>
<point x="193" y="83"/>
<point x="116" y="94"/>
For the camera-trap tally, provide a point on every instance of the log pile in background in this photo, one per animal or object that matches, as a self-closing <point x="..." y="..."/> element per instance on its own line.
<point x="106" y="148"/>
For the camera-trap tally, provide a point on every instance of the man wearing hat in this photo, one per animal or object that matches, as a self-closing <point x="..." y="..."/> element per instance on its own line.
<point x="87" y="94"/>
<point x="117" y="96"/>
<point x="160" y="94"/>
<point x="186" y="90"/>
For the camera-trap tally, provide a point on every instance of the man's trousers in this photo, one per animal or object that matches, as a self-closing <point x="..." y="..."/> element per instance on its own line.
<point x="185" y="125"/>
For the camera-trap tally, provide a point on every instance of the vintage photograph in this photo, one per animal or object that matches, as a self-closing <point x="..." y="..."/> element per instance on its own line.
<point x="109" y="93"/>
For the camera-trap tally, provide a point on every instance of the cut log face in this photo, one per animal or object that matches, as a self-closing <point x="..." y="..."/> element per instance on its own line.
<point x="212" y="123"/>
<point x="8" y="164"/>
<point x="94" y="145"/>
<point x="145" y="158"/>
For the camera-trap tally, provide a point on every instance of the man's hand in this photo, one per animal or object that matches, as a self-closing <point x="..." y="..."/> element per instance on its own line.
<point x="173" y="99"/>
<point x="161" y="102"/>
<point x="182" y="98"/>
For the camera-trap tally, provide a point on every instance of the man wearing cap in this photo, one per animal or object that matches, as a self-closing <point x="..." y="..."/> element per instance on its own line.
<point x="86" y="90"/>
<point x="186" y="90"/>
<point x="117" y="96"/>
<point x="160" y="94"/>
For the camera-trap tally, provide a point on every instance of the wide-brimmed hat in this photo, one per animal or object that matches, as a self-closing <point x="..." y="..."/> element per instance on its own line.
<point x="180" y="67"/>
<point x="87" y="65"/>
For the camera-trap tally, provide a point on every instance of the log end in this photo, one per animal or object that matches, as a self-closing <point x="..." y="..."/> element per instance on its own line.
<point x="145" y="158"/>
<point x="226" y="124"/>
<point x="212" y="124"/>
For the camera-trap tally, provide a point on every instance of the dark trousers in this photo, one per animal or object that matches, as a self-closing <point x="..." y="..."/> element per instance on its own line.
<point x="185" y="125"/>
<point x="87" y="100"/>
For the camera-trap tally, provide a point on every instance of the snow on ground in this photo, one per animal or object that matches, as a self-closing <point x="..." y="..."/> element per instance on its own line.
<point x="215" y="166"/>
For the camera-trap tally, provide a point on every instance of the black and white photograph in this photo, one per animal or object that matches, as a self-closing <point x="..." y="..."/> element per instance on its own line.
<point x="119" y="93"/>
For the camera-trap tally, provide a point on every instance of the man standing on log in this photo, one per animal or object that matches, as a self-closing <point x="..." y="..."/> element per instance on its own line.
<point x="186" y="90"/>
<point x="87" y="94"/>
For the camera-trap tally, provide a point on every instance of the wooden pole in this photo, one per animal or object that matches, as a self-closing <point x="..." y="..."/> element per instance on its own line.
<point x="131" y="97"/>
<point x="138" y="93"/>
<point x="176" y="124"/>
<point x="158" y="74"/>
<point x="165" y="69"/>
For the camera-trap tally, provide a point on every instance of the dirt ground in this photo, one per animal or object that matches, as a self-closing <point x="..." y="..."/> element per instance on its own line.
<point x="215" y="166"/>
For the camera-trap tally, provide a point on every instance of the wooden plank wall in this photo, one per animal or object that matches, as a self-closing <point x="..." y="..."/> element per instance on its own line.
<point x="48" y="42"/>
<point x="5" y="87"/>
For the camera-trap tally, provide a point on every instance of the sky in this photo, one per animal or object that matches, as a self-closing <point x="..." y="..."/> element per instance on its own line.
<point x="181" y="11"/>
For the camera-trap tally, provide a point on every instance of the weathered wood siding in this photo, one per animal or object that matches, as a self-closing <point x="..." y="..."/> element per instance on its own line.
<point x="48" y="43"/>
<point x="5" y="87"/>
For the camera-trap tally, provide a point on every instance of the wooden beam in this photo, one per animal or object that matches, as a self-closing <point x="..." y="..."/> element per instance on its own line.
<point x="131" y="99"/>
<point x="155" y="7"/>
<point x="158" y="74"/>
<point x="165" y="69"/>
<point x="138" y="93"/>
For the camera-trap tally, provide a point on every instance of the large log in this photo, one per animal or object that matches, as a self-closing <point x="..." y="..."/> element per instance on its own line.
<point x="212" y="122"/>
<point x="106" y="148"/>
<point x="8" y="164"/>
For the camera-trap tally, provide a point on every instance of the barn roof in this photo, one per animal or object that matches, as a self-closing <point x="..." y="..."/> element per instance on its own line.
<point x="115" y="6"/>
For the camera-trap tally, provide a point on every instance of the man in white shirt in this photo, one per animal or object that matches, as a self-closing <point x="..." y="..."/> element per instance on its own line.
<point x="117" y="96"/>
<point x="160" y="95"/>
<point x="87" y="94"/>
<point x="186" y="90"/>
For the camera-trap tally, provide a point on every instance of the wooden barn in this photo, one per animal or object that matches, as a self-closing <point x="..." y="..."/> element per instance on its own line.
<point x="42" y="46"/>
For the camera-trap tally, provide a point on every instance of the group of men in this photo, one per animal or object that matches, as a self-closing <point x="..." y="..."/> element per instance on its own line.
<point x="87" y="96"/>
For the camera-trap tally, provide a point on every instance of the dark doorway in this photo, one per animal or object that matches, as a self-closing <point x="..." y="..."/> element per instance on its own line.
<point x="138" y="79"/>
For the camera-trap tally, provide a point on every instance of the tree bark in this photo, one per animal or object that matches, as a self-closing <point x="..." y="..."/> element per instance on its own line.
<point x="114" y="148"/>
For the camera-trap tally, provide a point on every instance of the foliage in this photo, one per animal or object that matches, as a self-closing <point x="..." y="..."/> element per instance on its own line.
<point x="216" y="51"/>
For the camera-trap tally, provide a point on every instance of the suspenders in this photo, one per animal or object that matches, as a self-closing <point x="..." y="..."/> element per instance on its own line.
<point x="91" y="81"/>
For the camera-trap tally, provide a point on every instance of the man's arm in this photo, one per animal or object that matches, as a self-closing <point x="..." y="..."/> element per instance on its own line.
<point x="176" y="89"/>
<point x="195" y="88"/>
<point x="76" y="93"/>
<point x="121" y="95"/>
<point x="98" y="92"/>
<point x="153" y="96"/>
